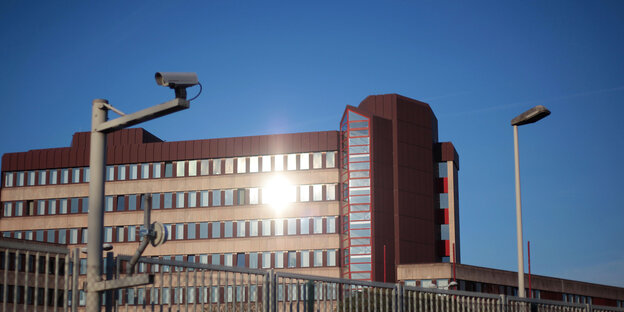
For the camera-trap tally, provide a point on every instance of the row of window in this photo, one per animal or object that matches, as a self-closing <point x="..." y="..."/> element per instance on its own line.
<point x="182" y="168"/>
<point x="189" y="231"/>
<point x="191" y="199"/>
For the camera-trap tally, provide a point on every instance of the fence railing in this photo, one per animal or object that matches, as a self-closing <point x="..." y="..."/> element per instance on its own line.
<point x="39" y="277"/>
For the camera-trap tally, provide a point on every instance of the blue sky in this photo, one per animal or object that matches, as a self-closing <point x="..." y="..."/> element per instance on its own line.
<point x="274" y="67"/>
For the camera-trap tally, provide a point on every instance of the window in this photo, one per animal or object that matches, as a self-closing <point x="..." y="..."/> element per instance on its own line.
<point x="216" y="229"/>
<point x="53" y="176"/>
<point x="317" y="192"/>
<point x="134" y="171"/>
<point x="19" y="208"/>
<point x="42" y="177"/>
<point x="63" y="206"/>
<point x="305" y="225"/>
<point x="331" y="258"/>
<point x="266" y="227"/>
<point x="279" y="162"/>
<point x="8" y="209"/>
<point x="132" y="202"/>
<point x="108" y="203"/>
<point x="205" y="167"/>
<point x="121" y="172"/>
<point x="266" y="260"/>
<point x="62" y="236"/>
<point x="279" y="259"/>
<point x="84" y="235"/>
<point x="168" y="230"/>
<point x="203" y="230"/>
<point x="444" y="200"/>
<point x="179" y="231"/>
<point x="110" y="173"/>
<point x="241" y="197"/>
<point x="292" y="226"/>
<point x="192" y="168"/>
<point x="253" y="164"/>
<point x="330" y="161"/>
<point x="331" y="225"/>
<point x="304" y="193"/>
<point x="330" y="192"/>
<point x="216" y="259"/>
<point x="253" y="260"/>
<point x="240" y="260"/>
<point x="131" y="233"/>
<point x="73" y="236"/>
<point x="52" y="206"/>
<point x="216" y="198"/>
<point x="229" y="165"/>
<point x="31" y="178"/>
<point x="318" y="258"/>
<point x="120" y="234"/>
<point x="304" y="161"/>
<point x="167" y="200"/>
<point x="305" y="258"/>
<point x="180" y="200"/>
<point x="318" y="225"/>
<point x="241" y="166"/>
<point x="442" y="170"/>
<point x="240" y="228"/>
<point x="156" y="170"/>
<point x="121" y="203"/>
<point x="76" y="175"/>
<point x="85" y="205"/>
<point x="444" y="232"/>
<point x="156" y="201"/>
<point x="190" y="231"/>
<point x="227" y="259"/>
<point x="253" y="228"/>
<point x="86" y="175"/>
<point x="144" y="171"/>
<point x="266" y="163"/>
<point x="8" y="179"/>
<point x="292" y="259"/>
<point x="168" y="169"/>
<point x="253" y="196"/>
<point x="229" y="197"/>
<point x="64" y="176"/>
<point x="228" y="229"/>
<point x="203" y="198"/>
<point x="108" y="234"/>
<point x="292" y="162"/>
<point x="317" y="160"/>
<point x="216" y="166"/>
<point x="180" y="168"/>
<point x="279" y="227"/>
<point x="192" y="199"/>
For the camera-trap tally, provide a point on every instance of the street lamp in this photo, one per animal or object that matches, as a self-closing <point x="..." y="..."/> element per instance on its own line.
<point x="532" y="115"/>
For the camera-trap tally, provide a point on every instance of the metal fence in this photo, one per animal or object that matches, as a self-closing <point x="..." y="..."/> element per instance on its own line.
<point x="39" y="277"/>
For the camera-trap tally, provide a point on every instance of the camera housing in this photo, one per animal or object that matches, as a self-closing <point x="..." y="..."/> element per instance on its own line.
<point x="177" y="81"/>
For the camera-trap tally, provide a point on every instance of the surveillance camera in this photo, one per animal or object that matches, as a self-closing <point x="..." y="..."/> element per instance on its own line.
<point x="176" y="80"/>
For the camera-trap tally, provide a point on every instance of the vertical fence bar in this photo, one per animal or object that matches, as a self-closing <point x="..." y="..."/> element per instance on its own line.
<point x="36" y="280"/>
<point x="5" y="290"/>
<point x="15" y="283"/>
<point x="46" y="269"/>
<point x="66" y="283"/>
<point x="56" y="277"/>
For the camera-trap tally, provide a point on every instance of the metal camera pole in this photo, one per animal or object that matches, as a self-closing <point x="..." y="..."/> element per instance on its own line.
<point x="100" y="127"/>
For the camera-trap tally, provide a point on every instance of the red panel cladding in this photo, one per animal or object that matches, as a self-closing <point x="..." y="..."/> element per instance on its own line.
<point x="142" y="153"/>
<point x="447" y="248"/>
<point x="314" y="141"/>
<point x="197" y="149"/>
<point x="254" y="146"/>
<point x="157" y="154"/>
<point x="237" y="144"/>
<point x="264" y="145"/>
<point x="305" y="141"/>
<point x="30" y="159"/>
<point x="118" y="156"/>
<point x="58" y="158"/>
<point x="296" y="143"/>
<point x="445" y="185"/>
<point x="166" y="146"/>
<point x="446" y="216"/>
<point x="65" y="157"/>
<point x="43" y="157"/>
<point x="230" y="146"/>
<point x="332" y="140"/>
<point x="82" y="157"/>
<point x="73" y="157"/>
<point x="188" y="149"/>
<point x="133" y="153"/>
<point x="205" y="149"/>
<point x="221" y="148"/>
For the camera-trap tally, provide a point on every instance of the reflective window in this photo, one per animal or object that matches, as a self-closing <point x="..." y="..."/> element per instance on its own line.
<point x="292" y="162"/>
<point x="228" y="228"/>
<point x="241" y="165"/>
<point x="215" y="259"/>
<point x="41" y="207"/>
<point x="266" y="260"/>
<point x="331" y="258"/>
<point x="42" y="177"/>
<point x="168" y="169"/>
<point x="20" y="179"/>
<point x="442" y="170"/>
<point x="8" y="179"/>
<point x="317" y="192"/>
<point x="192" y="199"/>
<point x="131" y="233"/>
<point x="292" y="259"/>
<point x="110" y="173"/>
<point x="52" y="206"/>
<point x="121" y="172"/>
<point x="63" y="206"/>
<point x="279" y="227"/>
<point x="229" y="197"/>
<point x="317" y="160"/>
<point x="19" y="209"/>
<point x="203" y="230"/>
<point x="132" y="202"/>
<point x="31" y="178"/>
<point x="304" y="225"/>
<point x="53" y="176"/>
<point x="64" y="176"/>
<point x="229" y="165"/>
<point x="167" y="200"/>
<point x="205" y="167"/>
<point x="444" y="200"/>
<point x="227" y="259"/>
<point x="8" y="209"/>
<point x="304" y="193"/>
<point x="253" y="228"/>
<point x="216" y="229"/>
<point x="444" y="232"/>
<point x="180" y="200"/>
<point x="318" y="258"/>
<point x="304" y="161"/>
<point x="156" y="201"/>
<point x="279" y="162"/>
<point x="144" y="171"/>
<point x="240" y="261"/>
<point x="292" y="226"/>
<point x="331" y="224"/>
<point x="253" y="164"/>
<point x="203" y="198"/>
<point x="240" y="228"/>
<point x="305" y="258"/>
<point x="192" y="168"/>
<point x="108" y="234"/>
<point x="180" y="168"/>
<point x="266" y="227"/>
<point x="120" y="234"/>
<point x="179" y="231"/>
<point x="330" y="160"/>
<point x="279" y="259"/>
<point x="216" y="198"/>
<point x="73" y="236"/>
<point x="253" y="196"/>
<point x="253" y="260"/>
<point x="330" y="192"/>
<point x="216" y="166"/>
<point x="134" y="172"/>
<point x="84" y="235"/>
<point x="266" y="163"/>
<point x="318" y="225"/>
<point x="156" y="170"/>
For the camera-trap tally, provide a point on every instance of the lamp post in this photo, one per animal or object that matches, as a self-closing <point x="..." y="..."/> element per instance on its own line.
<point x="532" y="115"/>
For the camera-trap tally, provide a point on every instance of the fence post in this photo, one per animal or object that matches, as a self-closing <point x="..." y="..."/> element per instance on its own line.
<point x="75" y="290"/>
<point x="398" y="307"/>
<point x="588" y="307"/>
<point x="503" y="303"/>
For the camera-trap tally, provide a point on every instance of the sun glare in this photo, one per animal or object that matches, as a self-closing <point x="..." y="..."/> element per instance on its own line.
<point x="278" y="193"/>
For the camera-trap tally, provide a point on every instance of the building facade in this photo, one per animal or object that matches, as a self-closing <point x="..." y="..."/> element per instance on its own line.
<point x="352" y="203"/>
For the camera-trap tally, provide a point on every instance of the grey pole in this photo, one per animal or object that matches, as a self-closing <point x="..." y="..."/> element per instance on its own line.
<point x="97" y="163"/>
<point x="519" y="217"/>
